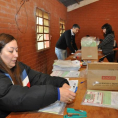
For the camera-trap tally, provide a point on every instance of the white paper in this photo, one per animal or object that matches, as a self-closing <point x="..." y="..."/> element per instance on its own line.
<point x="66" y="73"/>
<point x="66" y="65"/>
<point x="58" y="107"/>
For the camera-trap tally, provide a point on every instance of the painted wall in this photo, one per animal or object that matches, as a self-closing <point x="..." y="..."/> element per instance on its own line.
<point x="91" y="17"/>
<point x="40" y="61"/>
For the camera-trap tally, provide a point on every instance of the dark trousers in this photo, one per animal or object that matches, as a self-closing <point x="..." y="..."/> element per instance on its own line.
<point x="110" y="57"/>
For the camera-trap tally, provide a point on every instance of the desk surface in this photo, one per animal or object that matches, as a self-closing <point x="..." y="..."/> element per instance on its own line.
<point x="92" y="112"/>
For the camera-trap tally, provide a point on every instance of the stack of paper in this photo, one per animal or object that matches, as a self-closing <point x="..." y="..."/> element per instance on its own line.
<point x="65" y="73"/>
<point x="66" y="65"/>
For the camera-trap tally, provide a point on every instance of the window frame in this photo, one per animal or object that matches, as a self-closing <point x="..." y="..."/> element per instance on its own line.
<point x="62" y="28"/>
<point x="44" y="26"/>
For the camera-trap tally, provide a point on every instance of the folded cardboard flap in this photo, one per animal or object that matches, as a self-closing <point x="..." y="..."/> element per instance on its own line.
<point x="103" y="66"/>
<point x="102" y="76"/>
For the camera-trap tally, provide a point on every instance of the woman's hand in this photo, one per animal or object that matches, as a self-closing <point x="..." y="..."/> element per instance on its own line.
<point x="66" y="86"/>
<point x="66" y="95"/>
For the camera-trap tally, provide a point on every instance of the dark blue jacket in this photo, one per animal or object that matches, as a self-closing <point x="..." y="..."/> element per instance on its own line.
<point x="42" y="91"/>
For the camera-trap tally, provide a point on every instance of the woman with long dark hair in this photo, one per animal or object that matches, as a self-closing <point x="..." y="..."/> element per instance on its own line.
<point x="107" y="43"/>
<point x="23" y="89"/>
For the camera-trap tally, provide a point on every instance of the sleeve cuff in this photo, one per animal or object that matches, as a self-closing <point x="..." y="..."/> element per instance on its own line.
<point x="58" y="93"/>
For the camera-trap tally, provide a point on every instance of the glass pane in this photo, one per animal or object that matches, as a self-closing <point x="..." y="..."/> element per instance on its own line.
<point x="39" y="37"/>
<point x="46" y="29"/>
<point x="40" y="45"/>
<point x="40" y="29"/>
<point x="63" y="26"/>
<point x="40" y="21"/>
<point x="46" y="36"/>
<point x="63" y="22"/>
<point x="37" y="20"/>
<point x="61" y="31"/>
<point x="37" y="29"/>
<point x="46" y="15"/>
<point x="46" y="22"/>
<point x="47" y="44"/>
<point x="40" y="13"/>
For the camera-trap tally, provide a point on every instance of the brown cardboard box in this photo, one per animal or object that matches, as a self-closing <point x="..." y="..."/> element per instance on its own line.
<point x="89" y="53"/>
<point x="102" y="76"/>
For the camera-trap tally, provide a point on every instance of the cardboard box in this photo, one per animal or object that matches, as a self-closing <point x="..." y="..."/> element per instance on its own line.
<point x="89" y="53"/>
<point x="102" y="76"/>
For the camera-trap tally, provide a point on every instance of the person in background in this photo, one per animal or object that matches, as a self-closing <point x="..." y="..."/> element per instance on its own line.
<point x="67" y="39"/>
<point x="107" y="43"/>
<point x="115" y="52"/>
<point x="24" y="89"/>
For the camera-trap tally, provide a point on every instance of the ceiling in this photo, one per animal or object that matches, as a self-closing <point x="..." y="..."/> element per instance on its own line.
<point x="69" y="2"/>
<point x="75" y="4"/>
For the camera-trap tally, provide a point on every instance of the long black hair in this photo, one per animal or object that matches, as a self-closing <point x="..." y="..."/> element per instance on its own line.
<point x="108" y="28"/>
<point x="15" y="71"/>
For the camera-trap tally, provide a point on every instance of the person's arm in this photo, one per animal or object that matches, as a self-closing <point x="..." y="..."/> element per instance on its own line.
<point x="74" y="44"/>
<point x="63" y="90"/>
<point x="107" y="39"/>
<point x="68" y="41"/>
<point x="38" y="78"/>
<point x="19" y="98"/>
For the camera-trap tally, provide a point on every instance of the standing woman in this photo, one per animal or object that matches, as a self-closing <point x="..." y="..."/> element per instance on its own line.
<point x="24" y="89"/>
<point x="107" y="43"/>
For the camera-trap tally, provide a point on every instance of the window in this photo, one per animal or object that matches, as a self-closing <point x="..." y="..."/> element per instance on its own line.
<point x="42" y="29"/>
<point x="62" y="26"/>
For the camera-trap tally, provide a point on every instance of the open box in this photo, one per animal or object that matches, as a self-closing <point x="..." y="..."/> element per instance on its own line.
<point x="102" y="76"/>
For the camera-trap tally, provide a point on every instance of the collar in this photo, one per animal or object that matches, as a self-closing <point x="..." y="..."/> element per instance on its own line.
<point x="72" y="33"/>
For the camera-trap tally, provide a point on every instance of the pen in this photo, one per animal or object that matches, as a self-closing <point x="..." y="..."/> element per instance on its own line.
<point x="76" y="89"/>
<point x="82" y="82"/>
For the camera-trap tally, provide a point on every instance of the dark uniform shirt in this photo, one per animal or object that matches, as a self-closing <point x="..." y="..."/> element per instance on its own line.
<point x="67" y="40"/>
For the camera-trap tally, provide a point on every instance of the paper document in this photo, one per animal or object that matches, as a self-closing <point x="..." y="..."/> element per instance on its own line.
<point x="58" y="107"/>
<point x="74" y="85"/>
<point x="55" y="108"/>
<point x="65" y="73"/>
<point x="101" y="98"/>
<point x="66" y="65"/>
